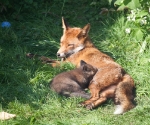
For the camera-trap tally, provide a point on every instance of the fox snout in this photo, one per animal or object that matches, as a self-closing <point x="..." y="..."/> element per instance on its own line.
<point x="64" y="54"/>
<point x="61" y="55"/>
<point x="58" y="54"/>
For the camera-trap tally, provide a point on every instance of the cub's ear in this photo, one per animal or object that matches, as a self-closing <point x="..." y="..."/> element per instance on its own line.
<point x="64" y="25"/>
<point x="82" y="63"/>
<point x="83" y="66"/>
<point x="84" y="31"/>
<point x="86" y="68"/>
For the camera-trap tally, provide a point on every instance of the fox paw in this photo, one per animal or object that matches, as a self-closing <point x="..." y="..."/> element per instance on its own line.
<point x="90" y="106"/>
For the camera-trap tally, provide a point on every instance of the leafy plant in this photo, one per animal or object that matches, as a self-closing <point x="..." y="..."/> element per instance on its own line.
<point x="138" y="14"/>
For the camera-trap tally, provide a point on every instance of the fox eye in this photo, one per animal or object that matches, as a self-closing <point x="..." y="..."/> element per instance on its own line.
<point x="70" y="44"/>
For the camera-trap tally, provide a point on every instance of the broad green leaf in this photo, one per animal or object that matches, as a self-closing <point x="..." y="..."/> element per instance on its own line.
<point x="118" y="2"/>
<point x="121" y="7"/>
<point x="142" y="13"/>
<point x="138" y="34"/>
<point x="132" y="4"/>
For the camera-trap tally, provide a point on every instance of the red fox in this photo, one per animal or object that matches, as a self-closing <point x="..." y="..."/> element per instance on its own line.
<point x="73" y="83"/>
<point x="111" y="80"/>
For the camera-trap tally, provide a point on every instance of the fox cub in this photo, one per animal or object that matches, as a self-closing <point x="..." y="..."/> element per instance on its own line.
<point x="73" y="83"/>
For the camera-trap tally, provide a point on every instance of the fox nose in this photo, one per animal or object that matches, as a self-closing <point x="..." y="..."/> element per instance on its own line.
<point x="58" y="54"/>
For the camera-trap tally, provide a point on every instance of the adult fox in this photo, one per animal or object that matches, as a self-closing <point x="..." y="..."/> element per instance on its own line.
<point x="110" y="81"/>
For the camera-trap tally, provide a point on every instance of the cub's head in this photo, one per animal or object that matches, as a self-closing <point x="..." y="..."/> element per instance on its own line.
<point x="72" y="40"/>
<point x="88" y="69"/>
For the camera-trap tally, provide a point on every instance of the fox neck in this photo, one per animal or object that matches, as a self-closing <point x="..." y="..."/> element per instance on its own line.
<point x="88" y="43"/>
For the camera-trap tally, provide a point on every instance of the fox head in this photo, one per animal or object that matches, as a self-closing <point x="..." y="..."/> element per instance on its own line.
<point x="72" y="40"/>
<point x="88" y="69"/>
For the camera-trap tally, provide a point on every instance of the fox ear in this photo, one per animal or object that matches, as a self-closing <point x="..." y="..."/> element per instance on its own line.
<point x="64" y="24"/>
<point x="84" y="31"/>
<point x="84" y="67"/>
<point x="82" y="63"/>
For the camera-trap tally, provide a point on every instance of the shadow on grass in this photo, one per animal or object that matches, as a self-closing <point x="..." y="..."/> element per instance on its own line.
<point x="16" y="73"/>
<point x="41" y="36"/>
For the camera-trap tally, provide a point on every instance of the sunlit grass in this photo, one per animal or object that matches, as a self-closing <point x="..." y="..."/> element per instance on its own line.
<point x="24" y="83"/>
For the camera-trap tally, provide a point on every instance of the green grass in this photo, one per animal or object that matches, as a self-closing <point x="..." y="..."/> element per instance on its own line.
<point x="24" y="83"/>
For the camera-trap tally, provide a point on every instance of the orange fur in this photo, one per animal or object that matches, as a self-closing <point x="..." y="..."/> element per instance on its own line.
<point x="111" y="81"/>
